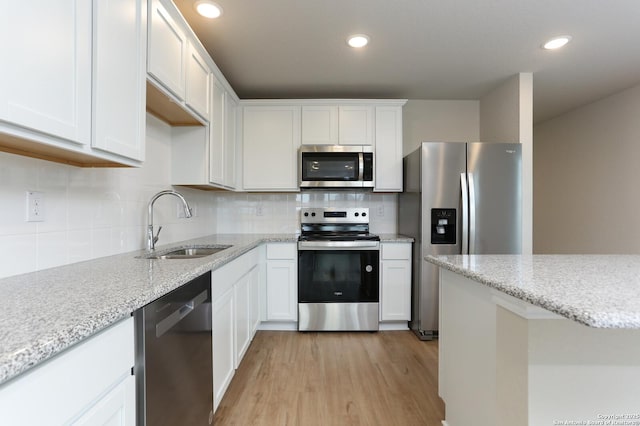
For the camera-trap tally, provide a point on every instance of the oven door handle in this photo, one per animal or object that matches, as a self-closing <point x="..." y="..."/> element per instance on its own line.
<point x="342" y="245"/>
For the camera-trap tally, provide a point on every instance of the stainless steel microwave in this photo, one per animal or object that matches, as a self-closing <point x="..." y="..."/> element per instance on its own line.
<point x="336" y="166"/>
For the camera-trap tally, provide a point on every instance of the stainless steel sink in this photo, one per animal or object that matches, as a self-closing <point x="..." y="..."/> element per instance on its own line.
<point x="188" y="252"/>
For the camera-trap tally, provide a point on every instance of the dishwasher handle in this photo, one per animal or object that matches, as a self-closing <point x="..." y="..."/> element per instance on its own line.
<point x="176" y="316"/>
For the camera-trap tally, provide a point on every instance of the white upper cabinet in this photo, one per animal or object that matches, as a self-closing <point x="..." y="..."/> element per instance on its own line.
<point x="355" y="125"/>
<point x="45" y="77"/>
<point x="337" y="124"/>
<point x="167" y="49"/>
<point x="320" y="125"/>
<point x="271" y="138"/>
<point x="217" y="127"/>
<point x="119" y="83"/>
<point x="177" y="62"/>
<point x="197" y="82"/>
<point x="388" y="149"/>
<point x="72" y="83"/>
<point x="231" y="123"/>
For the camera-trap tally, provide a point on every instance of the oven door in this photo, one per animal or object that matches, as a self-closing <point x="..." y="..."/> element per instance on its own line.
<point x="338" y="286"/>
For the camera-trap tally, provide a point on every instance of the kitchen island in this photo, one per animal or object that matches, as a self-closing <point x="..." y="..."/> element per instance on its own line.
<point x="539" y="340"/>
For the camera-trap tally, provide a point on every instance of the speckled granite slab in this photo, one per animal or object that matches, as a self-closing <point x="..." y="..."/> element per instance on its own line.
<point x="395" y="238"/>
<point x="595" y="290"/>
<point x="45" y="312"/>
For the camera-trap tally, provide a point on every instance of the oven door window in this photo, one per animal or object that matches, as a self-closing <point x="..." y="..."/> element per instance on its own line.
<point x="330" y="167"/>
<point x="338" y="276"/>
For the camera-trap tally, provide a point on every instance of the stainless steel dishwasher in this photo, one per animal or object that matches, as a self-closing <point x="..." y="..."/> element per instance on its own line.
<point x="174" y="363"/>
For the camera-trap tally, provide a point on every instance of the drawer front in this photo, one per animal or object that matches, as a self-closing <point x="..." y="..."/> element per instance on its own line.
<point x="282" y="251"/>
<point x="394" y="251"/>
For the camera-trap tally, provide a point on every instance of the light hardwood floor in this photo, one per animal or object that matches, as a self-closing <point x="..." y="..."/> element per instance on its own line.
<point x="290" y="378"/>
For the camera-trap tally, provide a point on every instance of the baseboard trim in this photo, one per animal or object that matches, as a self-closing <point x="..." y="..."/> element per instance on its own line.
<point x="278" y="326"/>
<point x="393" y="326"/>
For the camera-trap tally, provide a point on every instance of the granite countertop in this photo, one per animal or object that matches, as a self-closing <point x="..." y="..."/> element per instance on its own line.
<point x="395" y="238"/>
<point x="595" y="290"/>
<point x="47" y="311"/>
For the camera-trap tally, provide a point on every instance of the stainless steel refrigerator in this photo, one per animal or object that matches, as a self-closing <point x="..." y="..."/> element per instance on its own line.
<point x="459" y="198"/>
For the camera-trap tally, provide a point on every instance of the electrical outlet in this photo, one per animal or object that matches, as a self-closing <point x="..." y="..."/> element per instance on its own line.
<point x="35" y="206"/>
<point x="259" y="211"/>
<point x="380" y="210"/>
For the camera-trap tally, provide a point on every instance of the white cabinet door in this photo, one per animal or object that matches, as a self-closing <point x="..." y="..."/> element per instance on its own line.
<point x="282" y="292"/>
<point x="282" y="282"/>
<point x="254" y="304"/>
<point x="231" y="121"/>
<point x="45" y="77"/>
<point x="356" y="125"/>
<point x="167" y="49"/>
<point x="242" y="296"/>
<point x="320" y="125"/>
<point x="116" y="408"/>
<point x="198" y="79"/>
<point x="271" y="137"/>
<point x="76" y="383"/>
<point x="395" y="282"/>
<point x="388" y="152"/>
<point x="216" y="128"/>
<point x="223" y="345"/>
<point x="119" y="77"/>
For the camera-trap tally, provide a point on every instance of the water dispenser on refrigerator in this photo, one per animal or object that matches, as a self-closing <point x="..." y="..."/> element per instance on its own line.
<point x="443" y="226"/>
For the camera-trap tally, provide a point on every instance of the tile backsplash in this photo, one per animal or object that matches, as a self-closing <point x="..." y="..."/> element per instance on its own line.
<point x="97" y="212"/>
<point x="244" y="213"/>
<point x="91" y="212"/>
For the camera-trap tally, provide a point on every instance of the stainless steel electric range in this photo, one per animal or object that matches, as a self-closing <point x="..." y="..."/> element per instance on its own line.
<point x="338" y="279"/>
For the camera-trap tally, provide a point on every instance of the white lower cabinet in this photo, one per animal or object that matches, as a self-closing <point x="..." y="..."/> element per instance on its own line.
<point x="114" y="408"/>
<point x="234" y="310"/>
<point x="223" y="347"/>
<point x="282" y="282"/>
<point x="88" y="384"/>
<point x="395" y="281"/>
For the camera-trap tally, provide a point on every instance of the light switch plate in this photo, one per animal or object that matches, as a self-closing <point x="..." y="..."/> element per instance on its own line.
<point x="35" y="206"/>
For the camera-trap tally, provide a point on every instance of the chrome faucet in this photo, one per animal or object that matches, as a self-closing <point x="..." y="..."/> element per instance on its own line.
<point x="153" y="239"/>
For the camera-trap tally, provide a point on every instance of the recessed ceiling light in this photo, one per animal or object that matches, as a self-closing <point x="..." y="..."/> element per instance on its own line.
<point x="208" y="9"/>
<point x="358" y="40"/>
<point x="556" y="42"/>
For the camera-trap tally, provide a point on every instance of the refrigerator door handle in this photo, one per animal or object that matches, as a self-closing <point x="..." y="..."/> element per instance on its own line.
<point x="464" y="189"/>
<point x="472" y="214"/>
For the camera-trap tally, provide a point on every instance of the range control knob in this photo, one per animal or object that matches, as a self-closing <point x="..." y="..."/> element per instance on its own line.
<point x="313" y="214"/>
<point x="363" y="214"/>
<point x="357" y="214"/>
<point x="306" y="215"/>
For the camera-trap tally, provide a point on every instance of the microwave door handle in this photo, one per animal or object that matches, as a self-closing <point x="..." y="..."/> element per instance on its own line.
<point x="360" y="166"/>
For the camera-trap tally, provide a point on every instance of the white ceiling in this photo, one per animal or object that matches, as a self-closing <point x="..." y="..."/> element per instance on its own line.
<point x="424" y="49"/>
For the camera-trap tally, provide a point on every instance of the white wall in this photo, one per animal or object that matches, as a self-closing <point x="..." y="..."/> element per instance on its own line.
<point x="439" y="121"/>
<point x="587" y="178"/>
<point x="91" y="213"/>
<point x="506" y="115"/>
